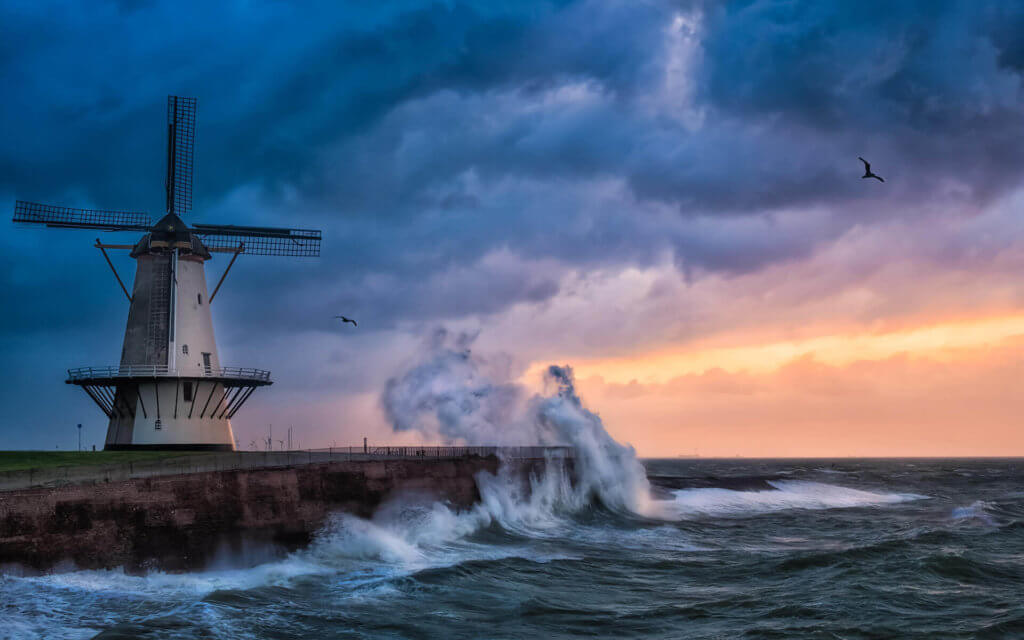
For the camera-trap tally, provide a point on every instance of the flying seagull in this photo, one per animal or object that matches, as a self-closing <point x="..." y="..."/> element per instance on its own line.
<point x="344" y="320"/>
<point x="867" y="171"/>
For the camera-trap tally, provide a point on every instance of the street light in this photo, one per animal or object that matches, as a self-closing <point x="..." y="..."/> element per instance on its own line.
<point x="79" y="437"/>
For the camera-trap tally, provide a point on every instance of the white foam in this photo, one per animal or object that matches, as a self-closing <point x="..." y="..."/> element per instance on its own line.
<point x="978" y="510"/>
<point x="788" y="494"/>
<point x="188" y="585"/>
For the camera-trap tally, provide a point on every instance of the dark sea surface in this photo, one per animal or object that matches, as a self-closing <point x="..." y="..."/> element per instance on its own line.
<point x="741" y="549"/>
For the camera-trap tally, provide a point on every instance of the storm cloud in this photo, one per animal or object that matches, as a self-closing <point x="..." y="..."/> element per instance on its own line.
<point x="465" y="158"/>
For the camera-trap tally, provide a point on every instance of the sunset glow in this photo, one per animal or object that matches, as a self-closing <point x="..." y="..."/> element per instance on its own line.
<point x="946" y="341"/>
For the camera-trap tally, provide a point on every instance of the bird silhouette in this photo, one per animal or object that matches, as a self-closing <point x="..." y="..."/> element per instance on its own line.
<point x="867" y="171"/>
<point x="344" y="320"/>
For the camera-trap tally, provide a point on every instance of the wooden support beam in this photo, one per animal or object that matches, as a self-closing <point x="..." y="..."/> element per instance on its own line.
<point x="239" y="403"/>
<point x="227" y="404"/>
<point x="156" y="392"/>
<point x="138" y="394"/>
<point x="95" y="398"/>
<point x="103" y="248"/>
<point x="240" y="249"/>
<point x="213" y="414"/>
<point x="117" y="405"/>
<point x="113" y="402"/>
<point x="213" y="387"/>
<point x="195" y="394"/>
<point x="110" y="397"/>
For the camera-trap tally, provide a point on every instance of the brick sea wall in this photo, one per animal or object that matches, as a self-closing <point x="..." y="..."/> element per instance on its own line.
<point x="183" y="522"/>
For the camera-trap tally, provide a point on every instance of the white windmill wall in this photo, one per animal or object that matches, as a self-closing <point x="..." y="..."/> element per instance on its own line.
<point x="183" y="430"/>
<point x="182" y="422"/>
<point x="193" y="322"/>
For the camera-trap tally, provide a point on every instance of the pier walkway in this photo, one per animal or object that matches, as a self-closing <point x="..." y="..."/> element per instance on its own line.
<point x="187" y="463"/>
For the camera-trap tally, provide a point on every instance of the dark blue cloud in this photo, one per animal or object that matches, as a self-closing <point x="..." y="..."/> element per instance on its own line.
<point x="935" y="84"/>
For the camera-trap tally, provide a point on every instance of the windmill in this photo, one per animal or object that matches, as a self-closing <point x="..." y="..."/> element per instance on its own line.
<point x="170" y="390"/>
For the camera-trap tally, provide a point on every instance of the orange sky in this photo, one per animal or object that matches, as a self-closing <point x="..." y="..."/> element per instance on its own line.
<point x="950" y="388"/>
<point x="945" y="341"/>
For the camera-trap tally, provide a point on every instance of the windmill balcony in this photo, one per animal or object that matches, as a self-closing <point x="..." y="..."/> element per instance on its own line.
<point x="230" y="376"/>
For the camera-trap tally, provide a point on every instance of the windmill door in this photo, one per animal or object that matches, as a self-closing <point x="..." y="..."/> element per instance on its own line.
<point x="206" y="363"/>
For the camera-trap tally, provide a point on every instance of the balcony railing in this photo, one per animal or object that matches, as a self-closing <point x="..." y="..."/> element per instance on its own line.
<point x="163" y="371"/>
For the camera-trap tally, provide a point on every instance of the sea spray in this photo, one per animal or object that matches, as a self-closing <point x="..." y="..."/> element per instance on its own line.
<point x="605" y="469"/>
<point x="454" y="395"/>
<point x="450" y="395"/>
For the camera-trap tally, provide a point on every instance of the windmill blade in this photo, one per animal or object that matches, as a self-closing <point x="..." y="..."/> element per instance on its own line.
<point x="70" y="218"/>
<point x="260" y="241"/>
<point x="181" y="138"/>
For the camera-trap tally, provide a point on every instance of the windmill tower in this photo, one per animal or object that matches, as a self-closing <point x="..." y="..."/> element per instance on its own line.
<point x="170" y="390"/>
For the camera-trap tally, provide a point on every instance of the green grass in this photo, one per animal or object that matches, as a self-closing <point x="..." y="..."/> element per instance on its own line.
<point x="20" y="460"/>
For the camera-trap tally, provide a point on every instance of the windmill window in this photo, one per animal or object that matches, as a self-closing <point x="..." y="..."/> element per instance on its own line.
<point x="186" y="391"/>
<point x="158" y="425"/>
<point x="184" y="349"/>
<point x="199" y="297"/>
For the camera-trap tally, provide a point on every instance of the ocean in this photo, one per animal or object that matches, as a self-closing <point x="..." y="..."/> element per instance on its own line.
<point x="916" y="548"/>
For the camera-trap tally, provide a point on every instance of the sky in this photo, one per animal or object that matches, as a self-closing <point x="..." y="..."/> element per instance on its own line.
<point x="663" y="195"/>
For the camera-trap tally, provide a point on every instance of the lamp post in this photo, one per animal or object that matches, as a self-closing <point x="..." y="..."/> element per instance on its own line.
<point x="79" y="437"/>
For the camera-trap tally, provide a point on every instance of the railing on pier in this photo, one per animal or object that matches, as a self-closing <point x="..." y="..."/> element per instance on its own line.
<point x="508" y="453"/>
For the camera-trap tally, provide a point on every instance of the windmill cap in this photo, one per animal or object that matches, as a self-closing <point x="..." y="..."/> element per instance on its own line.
<point x="170" y="232"/>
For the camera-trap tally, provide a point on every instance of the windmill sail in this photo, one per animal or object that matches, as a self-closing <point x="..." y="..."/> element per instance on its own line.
<point x="71" y="218"/>
<point x="181" y="137"/>
<point x="260" y="241"/>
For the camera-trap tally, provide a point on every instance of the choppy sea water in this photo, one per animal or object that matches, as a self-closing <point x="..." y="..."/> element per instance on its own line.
<point x="739" y="549"/>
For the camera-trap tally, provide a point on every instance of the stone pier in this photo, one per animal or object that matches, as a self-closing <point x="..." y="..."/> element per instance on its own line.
<point x="184" y="522"/>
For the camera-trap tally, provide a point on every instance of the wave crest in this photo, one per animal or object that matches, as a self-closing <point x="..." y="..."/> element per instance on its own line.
<point x="787" y="494"/>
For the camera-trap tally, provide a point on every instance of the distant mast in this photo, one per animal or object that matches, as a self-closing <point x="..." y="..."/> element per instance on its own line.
<point x="170" y="390"/>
